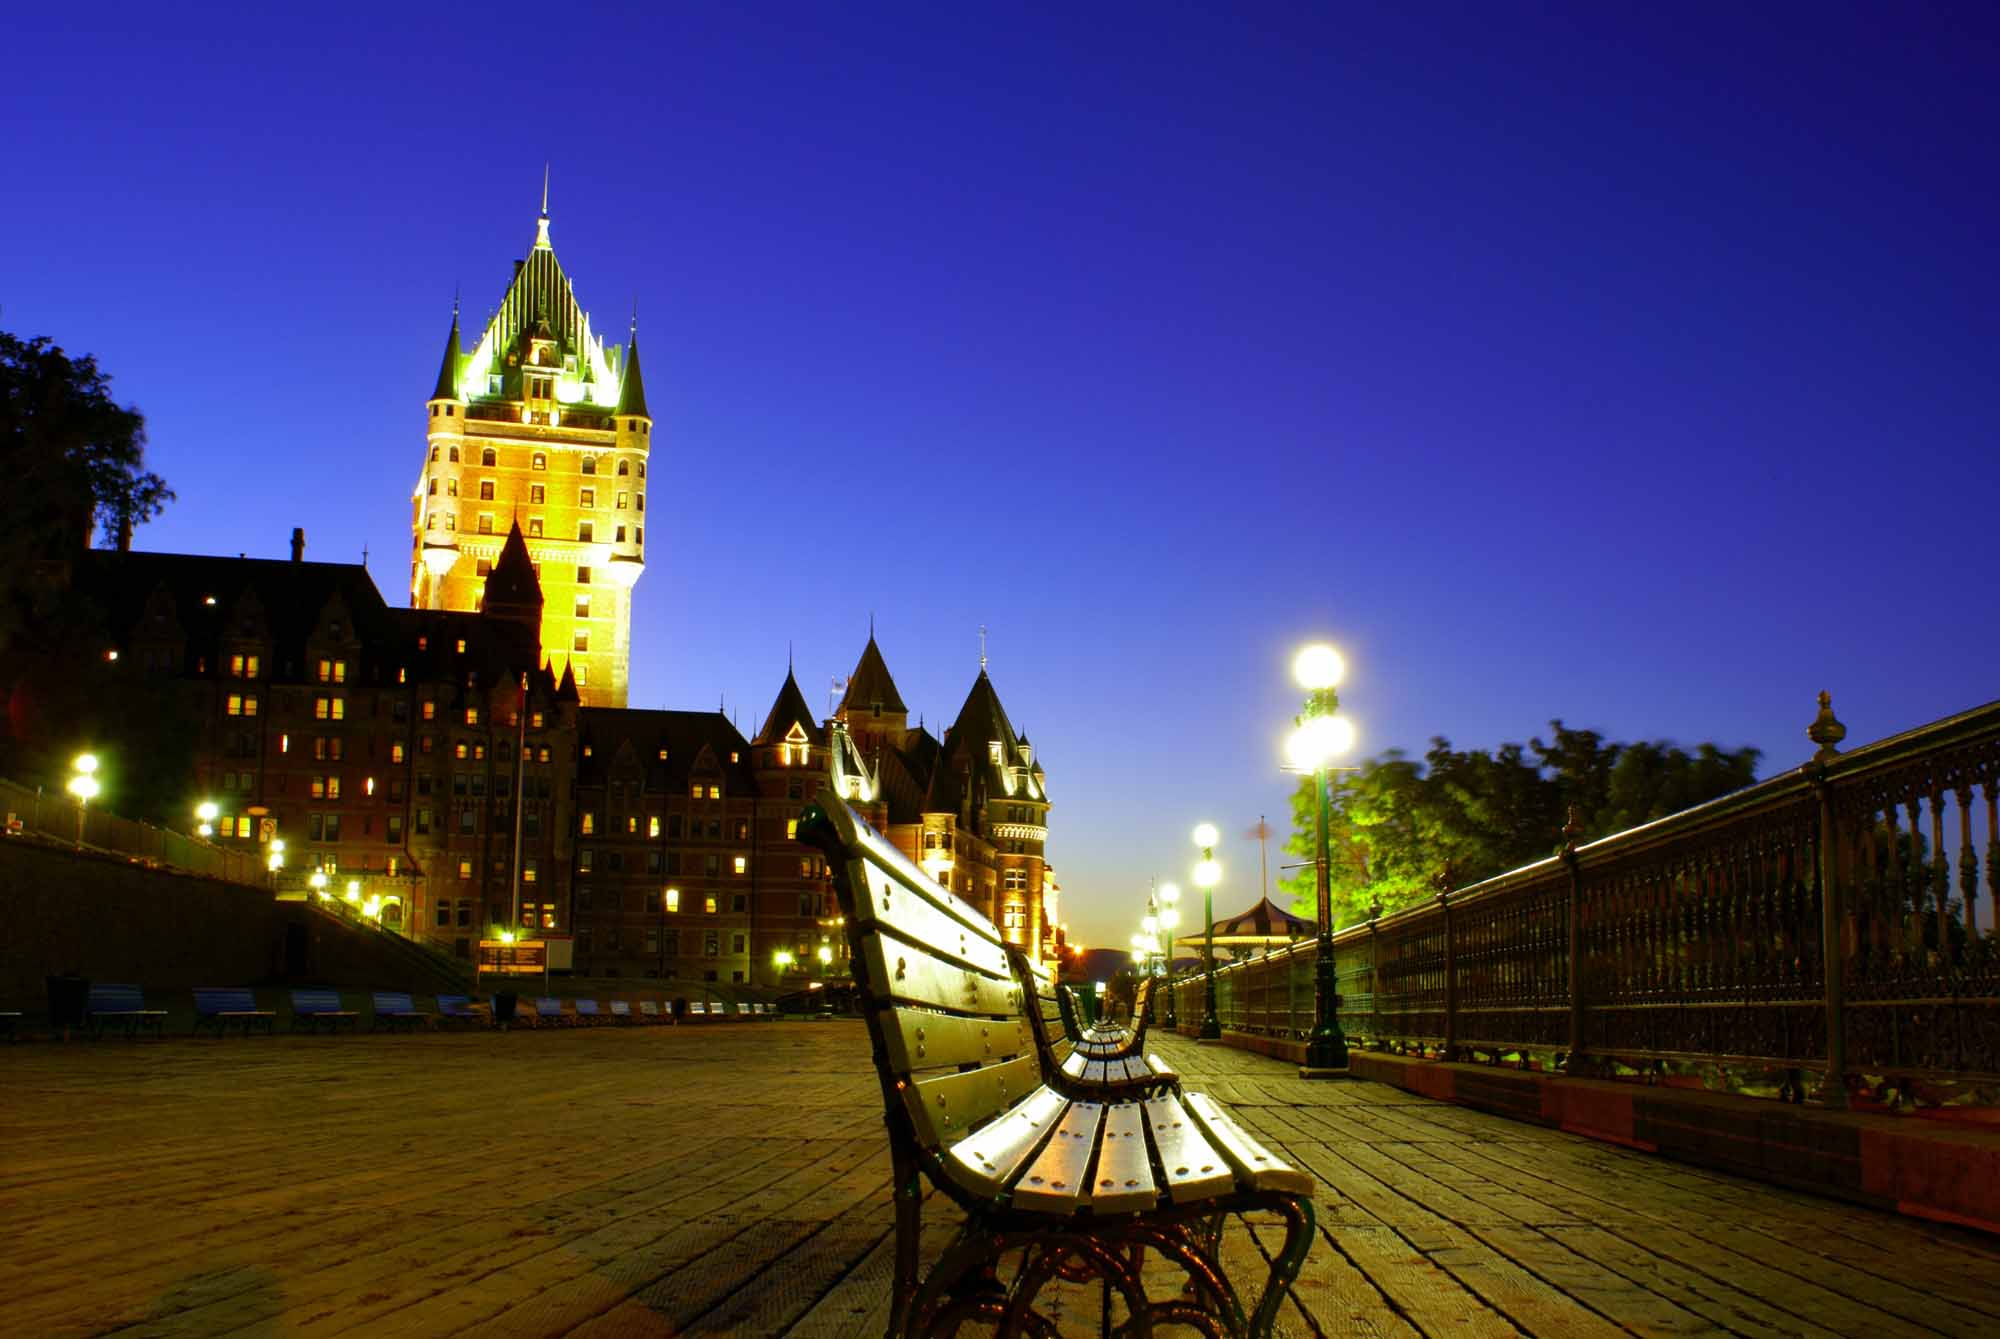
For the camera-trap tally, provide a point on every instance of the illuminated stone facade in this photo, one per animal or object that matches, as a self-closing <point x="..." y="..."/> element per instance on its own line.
<point x="543" y="423"/>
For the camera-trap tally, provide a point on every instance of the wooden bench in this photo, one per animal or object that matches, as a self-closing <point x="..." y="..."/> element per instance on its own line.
<point x="1072" y="1070"/>
<point x="588" y="1012"/>
<point x="219" y="1006"/>
<point x="464" y="1009"/>
<point x="650" y="1012"/>
<point x="1111" y="1041"/>
<point x="310" y="1008"/>
<point x="1051" y="1187"/>
<point x="621" y="1012"/>
<point x="124" y="1006"/>
<point x="698" y="1009"/>
<point x="396" y="1009"/>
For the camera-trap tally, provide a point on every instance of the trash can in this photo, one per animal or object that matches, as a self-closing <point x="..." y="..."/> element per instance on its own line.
<point x="69" y="996"/>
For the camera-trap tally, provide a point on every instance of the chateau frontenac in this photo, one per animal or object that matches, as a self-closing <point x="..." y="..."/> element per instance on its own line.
<point x="473" y="753"/>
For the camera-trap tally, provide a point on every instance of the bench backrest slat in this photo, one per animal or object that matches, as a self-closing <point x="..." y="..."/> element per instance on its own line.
<point x="453" y="1003"/>
<point x="394" y="1002"/>
<point x="109" y="998"/>
<point x="224" y="1000"/>
<point x="620" y="1007"/>
<point x="316" y="1002"/>
<point x="946" y="1011"/>
<point x="547" y="1004"/>
<point x="649" y="1008"/>
<point x="586" y="1006"/>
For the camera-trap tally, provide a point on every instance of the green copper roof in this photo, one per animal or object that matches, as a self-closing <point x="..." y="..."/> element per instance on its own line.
<point x="447" y="387"/>
<point x="632" y="395"/>
<point x="541" y="301"/>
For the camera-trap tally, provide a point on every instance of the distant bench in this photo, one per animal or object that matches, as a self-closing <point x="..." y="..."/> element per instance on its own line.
<point x="220" y="1006"/>
<point x="122" y="1006"/>
<point x="394" y="1008"/>
<point x="310" y="1008"/>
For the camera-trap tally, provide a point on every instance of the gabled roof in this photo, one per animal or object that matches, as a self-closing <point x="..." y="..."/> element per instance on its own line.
<point x="447" y="387"/>
<point x="513" y="582"/>
<point x="790" y="709"/>
<point x="632" y="392"/>
<point x="540" y="302"/>
<point x="982" y="722"/>
<point x="688" y="737"/>
<point x="871" y="684"/>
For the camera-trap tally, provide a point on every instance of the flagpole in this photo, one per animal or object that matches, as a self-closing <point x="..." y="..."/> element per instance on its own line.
<point x="1263" y="859"/>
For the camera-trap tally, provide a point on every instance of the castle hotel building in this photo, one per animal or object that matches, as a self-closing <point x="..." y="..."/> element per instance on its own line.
<point x="412" y="752"/>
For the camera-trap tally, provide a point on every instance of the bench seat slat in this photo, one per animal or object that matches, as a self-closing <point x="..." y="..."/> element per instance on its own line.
<point x="1193" y="1168"/>
<point x="946" y="1108"/>
<point x="1073" y="1064"/>
<point x="1053" y="1182"/>
<point x="1123" y="1182"/>
<point x="1263" y="1169"/>
<point x="989" y="1159"/>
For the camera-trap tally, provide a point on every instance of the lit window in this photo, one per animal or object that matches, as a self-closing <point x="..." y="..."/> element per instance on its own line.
<point x="589" y="823"/>
<point x="715" y="792"/>
<point x="472" y="715"/>
<point x="465" y="869"/>
<point x="583" y="606"/>
<point x="458" y="749"/>
<point x="537" y="494"/>
<point x="791" y="827"/>
<point x="653" y="826"/>
<point x="540" y="462"/>
<point x="396" y="751"/>
<point x="710" y="900"/>
<point x="623" y="500"/>
<point x="529" y="871"/>
<point x="741" y="864"/>
<point x="534" y="527"/>
<point x="430" y="711"/>
<point x="582" y="675"/>
<point x="534" y="720"/>
<point x="673" y="899"/>
<point x="461" y="646"/>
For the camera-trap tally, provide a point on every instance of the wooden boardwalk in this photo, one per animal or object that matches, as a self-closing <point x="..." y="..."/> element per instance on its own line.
<point x="732" y="1179"/>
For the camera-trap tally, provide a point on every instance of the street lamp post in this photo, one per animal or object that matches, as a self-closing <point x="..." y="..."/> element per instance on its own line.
<point x="1208" y="873"/>
<point x="1170" y="919"/>
<point x="1319" y="737"/>
<point x="84" y="786"/>
<point x="205" y="815"/>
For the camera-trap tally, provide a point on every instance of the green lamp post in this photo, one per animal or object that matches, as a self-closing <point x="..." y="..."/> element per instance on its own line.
<point x="1320" y="735"/>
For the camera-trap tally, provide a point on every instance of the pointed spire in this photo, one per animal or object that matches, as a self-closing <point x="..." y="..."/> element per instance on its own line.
<point x="542" y="223"/>
<point x="447" y="383"/>
<point x="787" y="710"/>
<point x="632" y="393"/>
<point x="871" y="685"/>
<point x="512" y="586"/>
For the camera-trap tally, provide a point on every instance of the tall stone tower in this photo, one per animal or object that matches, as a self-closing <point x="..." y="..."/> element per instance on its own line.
<point x="542" y="423"/>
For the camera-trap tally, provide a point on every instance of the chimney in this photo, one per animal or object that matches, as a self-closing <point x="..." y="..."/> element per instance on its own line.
<point x="298" y="544"/>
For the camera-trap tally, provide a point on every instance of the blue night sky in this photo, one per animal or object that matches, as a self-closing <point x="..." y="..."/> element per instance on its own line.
<point x="1636" y="369"/>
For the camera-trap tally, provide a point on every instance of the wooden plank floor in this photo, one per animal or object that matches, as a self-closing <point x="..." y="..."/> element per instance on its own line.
<point x="731" y="1179"/>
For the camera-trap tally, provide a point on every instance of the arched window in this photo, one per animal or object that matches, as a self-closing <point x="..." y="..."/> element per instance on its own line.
<point x="454" y="455"/>
<point x="541" y="462"/>
<point x="624" y="467"/>
<point x="434" y="455"/>
<point x="642" y="469"/>
<point x="434" y="488"/>
<point x="590" y="464"/>
<point x="488" y="458"/>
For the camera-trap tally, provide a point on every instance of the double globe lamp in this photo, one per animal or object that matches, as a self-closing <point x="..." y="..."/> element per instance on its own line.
<point x="1319" y="736"/>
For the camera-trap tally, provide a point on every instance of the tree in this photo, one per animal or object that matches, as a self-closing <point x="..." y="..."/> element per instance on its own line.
<point x="1393" y="823"/>
<point x="72" y="459"/>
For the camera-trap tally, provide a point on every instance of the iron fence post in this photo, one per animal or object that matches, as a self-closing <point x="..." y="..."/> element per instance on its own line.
<point x="1571" y="831"/>
<point x="1827" y="732"/>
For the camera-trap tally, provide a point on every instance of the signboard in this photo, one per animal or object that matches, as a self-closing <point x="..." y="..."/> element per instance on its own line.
<point x="561" y="951"/>
<point x="529" y="956"/>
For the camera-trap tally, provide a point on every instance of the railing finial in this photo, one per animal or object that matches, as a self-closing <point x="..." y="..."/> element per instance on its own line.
<point x="1571" y="830"/>
<point x="1826" y="729"/>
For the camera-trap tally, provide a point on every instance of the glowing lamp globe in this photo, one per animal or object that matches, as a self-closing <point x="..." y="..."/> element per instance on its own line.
<point x="1169" y="918"/>
<point x="85" y="763"/>
<point x="1170" y="893"/>
<point x="83" y="786"/>
<point x="1318" y="666"/>
<point x="1318" y="741"/>
<point x="206" y="811"/>
<point x="1207" y="874"/>
<point x="1205" y="835"/>
<point x="825" y="954"/>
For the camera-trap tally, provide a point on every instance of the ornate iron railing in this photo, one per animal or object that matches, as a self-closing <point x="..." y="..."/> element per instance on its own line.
<point x="1702" y="939"/>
